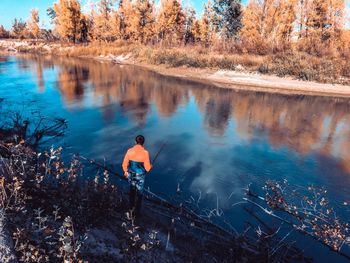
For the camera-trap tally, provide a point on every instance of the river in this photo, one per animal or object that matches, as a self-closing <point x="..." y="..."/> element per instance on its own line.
<point x="218" y="140"/>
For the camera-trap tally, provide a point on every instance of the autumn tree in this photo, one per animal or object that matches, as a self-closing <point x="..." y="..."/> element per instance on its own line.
<point x="320" y="24"/>
<point x="302" y="12"/>
<point x="115" y="22"/>
<point x="170" y="24"/>
<point x="146" y="20"/>
<point x="88" y="22"/>
<point x="207" y="24"/>
<point x="19" y="28"/>
<point x="326" y="20"/>
<point x="197" y="31"/>
<point x="128" y="20"/>
<point x="67" y="19"/>
<point x="268" y="24"/>
<point x="33" y="23"/>
<point x="285" y="21"/>
<point x="3" y="32"/>
<point x="102" y="20"/>
<point x="85" y="28"/>
<point x="190" y="18"/>
<point x="229" y="14"/>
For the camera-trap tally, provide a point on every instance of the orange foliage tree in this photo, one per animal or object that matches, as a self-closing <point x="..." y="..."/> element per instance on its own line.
<point x="145" y="17"/>
<point x="33" y="23"/>
<point x="207" y="25"/>
<point x="128" y="21"/>
<point x="67" y="19"/>
<point x="102" y="26"/>
<point x="170" y="24"/>
<point x="3" y="32"/>
<point x="268" y="24"/>
<point x="323" y="24"/>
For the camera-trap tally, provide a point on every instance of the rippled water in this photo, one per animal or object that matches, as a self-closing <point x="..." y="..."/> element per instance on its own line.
<point x="218" y="140"/>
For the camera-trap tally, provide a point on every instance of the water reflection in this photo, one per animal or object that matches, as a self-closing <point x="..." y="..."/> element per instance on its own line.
<point x="219" y="140"/>
<point x="306" y="125"/>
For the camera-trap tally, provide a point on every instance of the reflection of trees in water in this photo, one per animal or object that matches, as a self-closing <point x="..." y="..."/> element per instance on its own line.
<point x="168" y="95"/>
<point x="3" y="59"/>
<point x="218" y="114"/>
<point x="37" y="64"/>
<point x="71" y="80"/>
<point x="130" y="87"/>
<point x="305" y="124"/>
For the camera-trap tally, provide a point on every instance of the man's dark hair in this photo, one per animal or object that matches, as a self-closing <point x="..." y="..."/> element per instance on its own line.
<point x="140" y="139"/>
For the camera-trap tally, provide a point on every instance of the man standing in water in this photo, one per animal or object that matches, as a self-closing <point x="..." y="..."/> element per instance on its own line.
<point x="135" y="165"/>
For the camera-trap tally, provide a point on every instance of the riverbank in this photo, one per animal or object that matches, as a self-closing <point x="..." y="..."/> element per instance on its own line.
<point x="53" y="213"/>
<point x="76" y="210"/>
<point x="240" y="72"/>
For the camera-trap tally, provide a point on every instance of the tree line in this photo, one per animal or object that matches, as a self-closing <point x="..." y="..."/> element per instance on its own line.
<point x="260" y="26"/>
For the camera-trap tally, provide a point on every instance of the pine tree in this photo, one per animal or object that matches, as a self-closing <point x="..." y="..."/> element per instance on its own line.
<point x="229" y="14"/>
<point x="33" y="23"/>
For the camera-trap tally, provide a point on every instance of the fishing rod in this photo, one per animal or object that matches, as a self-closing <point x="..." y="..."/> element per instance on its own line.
<point x="159" y="151"/>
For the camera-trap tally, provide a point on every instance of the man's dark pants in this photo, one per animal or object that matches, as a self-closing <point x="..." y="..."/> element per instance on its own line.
<point x="136" y="192"/>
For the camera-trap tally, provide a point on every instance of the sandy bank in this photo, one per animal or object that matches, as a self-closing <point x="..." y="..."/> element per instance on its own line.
<point x="254" y="81"/>
<point x="239" y="79"/>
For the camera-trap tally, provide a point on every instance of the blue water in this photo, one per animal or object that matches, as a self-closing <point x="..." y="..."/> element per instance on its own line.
<point x="218" y="140"/>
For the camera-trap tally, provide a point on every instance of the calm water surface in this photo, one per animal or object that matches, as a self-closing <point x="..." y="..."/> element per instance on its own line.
<point x="219" y="140"/>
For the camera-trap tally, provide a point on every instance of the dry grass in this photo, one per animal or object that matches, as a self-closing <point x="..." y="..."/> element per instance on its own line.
<point x="329" y="66"/>
<point x="303" y="66"/>
<point x="198" y="58"/>
<point x="96" y="49"/>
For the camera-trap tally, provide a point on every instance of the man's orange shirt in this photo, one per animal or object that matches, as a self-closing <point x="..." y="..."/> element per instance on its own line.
<point x="137" y="154"/>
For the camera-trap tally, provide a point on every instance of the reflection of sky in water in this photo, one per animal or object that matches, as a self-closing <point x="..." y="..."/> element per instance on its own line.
<point x="219" y="140"/>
